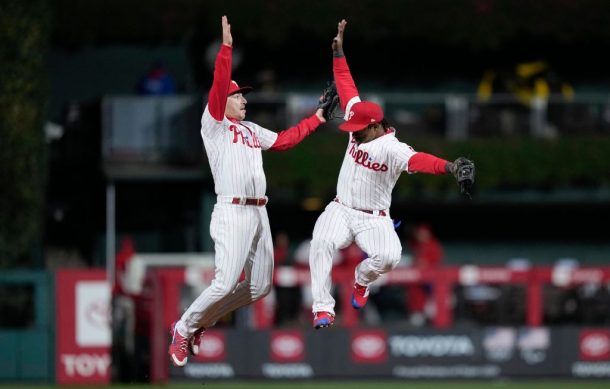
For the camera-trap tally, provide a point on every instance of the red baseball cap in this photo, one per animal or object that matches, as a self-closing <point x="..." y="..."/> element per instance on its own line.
<point x="234" y="88"/>
<point x="361" y="115"/>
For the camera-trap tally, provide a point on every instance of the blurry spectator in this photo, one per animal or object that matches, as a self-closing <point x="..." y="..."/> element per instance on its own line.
<point x="561" y="298"/>
<point x="524" y="82"/>
<point x="125" y="367"/>
<point x="157" y="81"/>
<point x="427" y="253"/>
<point x="288" y="297"/>
<point x="519" y="88"/>
<point x="123" y="257"/>
<point x="266" y="78"/>
<point x="281" y="249"/>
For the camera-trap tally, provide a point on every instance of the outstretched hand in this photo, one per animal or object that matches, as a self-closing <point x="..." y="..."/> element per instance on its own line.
<point x="338" y="40"/>
<point x="227" y="38"/>
<point x="320" y="114"/>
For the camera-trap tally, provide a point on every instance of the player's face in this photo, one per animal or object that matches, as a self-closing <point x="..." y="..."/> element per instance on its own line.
<point x="366" y="135"/>
<point x="236" y="107"/>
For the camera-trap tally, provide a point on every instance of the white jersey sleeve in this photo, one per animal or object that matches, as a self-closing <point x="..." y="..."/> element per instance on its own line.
<point x="210" y="127"/>
<point x="401" y="154"/>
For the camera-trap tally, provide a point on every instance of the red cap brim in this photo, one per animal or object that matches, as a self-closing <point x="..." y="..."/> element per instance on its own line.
<point x="353" y="127"/>
<point x="243" y="90"/>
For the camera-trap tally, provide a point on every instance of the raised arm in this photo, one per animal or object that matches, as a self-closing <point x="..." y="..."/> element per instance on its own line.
<point x="217" y="98"/>
<point x="338" y="39"/>
<point x="346" y="87"/>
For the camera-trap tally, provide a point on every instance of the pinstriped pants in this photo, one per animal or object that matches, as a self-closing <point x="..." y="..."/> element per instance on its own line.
<point x="242" y="241"/>
<point x="336" y="228"/>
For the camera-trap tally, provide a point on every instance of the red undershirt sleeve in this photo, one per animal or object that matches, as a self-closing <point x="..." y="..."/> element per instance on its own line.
<point x="292" y="136"/>
<point x="346" y="87"/>
<point x="217" y="98"/>
<point x="427" y="163"/>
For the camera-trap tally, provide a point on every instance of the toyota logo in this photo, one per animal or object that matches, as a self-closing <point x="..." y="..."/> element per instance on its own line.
<point x="287" y="346"/>
<point x="368" y="346"/>
<point x="211" y="346"/>
<point x="595" y="345"/>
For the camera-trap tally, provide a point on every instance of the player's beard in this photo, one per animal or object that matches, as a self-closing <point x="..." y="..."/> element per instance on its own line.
<point x="364" y="135"/>
<point x="359" y="136"/>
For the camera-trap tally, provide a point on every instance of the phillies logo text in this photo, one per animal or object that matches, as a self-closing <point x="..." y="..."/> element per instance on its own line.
<point x="362" y="158"/>
<point x="249" y="140"/>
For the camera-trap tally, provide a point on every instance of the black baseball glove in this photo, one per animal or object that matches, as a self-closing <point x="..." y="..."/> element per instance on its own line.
<point x="329" y="102"/>
<point x="463" y="171"/>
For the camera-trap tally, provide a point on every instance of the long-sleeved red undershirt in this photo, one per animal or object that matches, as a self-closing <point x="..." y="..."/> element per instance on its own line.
<point x="292" y="136"/>
<point x="217" y="102"/>
<point x="427" y="163"/>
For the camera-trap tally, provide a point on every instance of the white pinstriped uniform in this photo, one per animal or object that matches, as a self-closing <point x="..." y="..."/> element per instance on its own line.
<point x="368" y="175"/>
<point x="241" y="233"/>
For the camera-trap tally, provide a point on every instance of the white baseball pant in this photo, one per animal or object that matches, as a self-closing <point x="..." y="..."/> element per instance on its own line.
<point x="242" y="241"/>
<point x="335" y="229"/>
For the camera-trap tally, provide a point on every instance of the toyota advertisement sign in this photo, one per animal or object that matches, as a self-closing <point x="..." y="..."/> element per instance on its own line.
<point x="394" y="352"/>
<point x="83" y="334"/>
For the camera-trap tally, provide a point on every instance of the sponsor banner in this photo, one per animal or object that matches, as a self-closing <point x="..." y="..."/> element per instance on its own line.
<point x="394" y="352"/>
<point x="368" y="346"/>
<point x="93" y="314"/>
<point x="214" y="359"/>
<point x="287" y="356"/>
<point x="527" y="351"/>
<point x="499" y="343"/>
<point x="533" y="344"/>
<point x="591" y="369"/>
<point x="453" y="371"/>
<point x="83" y="327"/>
<point x="591" y="354"/>
<point x="208" y="370"/>
<point x="594" y="345"/>
<point x="287" y="370"/>
<point x="213" y="347"/>
<point x="287" y="346"/>
<point x="433" y="346"/>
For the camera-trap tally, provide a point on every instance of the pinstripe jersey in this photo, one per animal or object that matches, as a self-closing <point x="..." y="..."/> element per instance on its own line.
<point x="370" y="170"/>
<point x="234" y="153"/>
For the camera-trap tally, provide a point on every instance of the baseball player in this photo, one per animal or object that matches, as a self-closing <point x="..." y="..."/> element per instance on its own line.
<point x="373" y="161"/>
<point x="240" y="226"/>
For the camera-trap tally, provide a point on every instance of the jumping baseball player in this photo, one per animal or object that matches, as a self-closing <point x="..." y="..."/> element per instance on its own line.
<point x="240" y="226"/>
<point x="373" y="161"/>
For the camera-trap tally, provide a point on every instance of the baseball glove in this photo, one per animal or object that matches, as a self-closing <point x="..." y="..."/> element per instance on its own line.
<point x="463" y="171"/>
<point x="329" y="102"/>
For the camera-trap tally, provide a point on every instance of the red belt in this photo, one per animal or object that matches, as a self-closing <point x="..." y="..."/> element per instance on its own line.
<point x="249" y="201"/>
<point x="380" y="213"/>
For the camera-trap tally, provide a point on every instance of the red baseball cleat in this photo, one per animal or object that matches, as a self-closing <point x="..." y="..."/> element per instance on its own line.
<point x="322" y="320"/>
<point x="196" y="341"/>
<point x="359" y="296"/>
<point x="178" y="349"/>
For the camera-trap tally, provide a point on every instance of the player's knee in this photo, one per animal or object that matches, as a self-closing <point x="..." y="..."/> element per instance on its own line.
<point x="222" y="289"/>
<point x="260" y="291"/>
<point x="320" y="243"/>
<point x="389" y="260"/>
